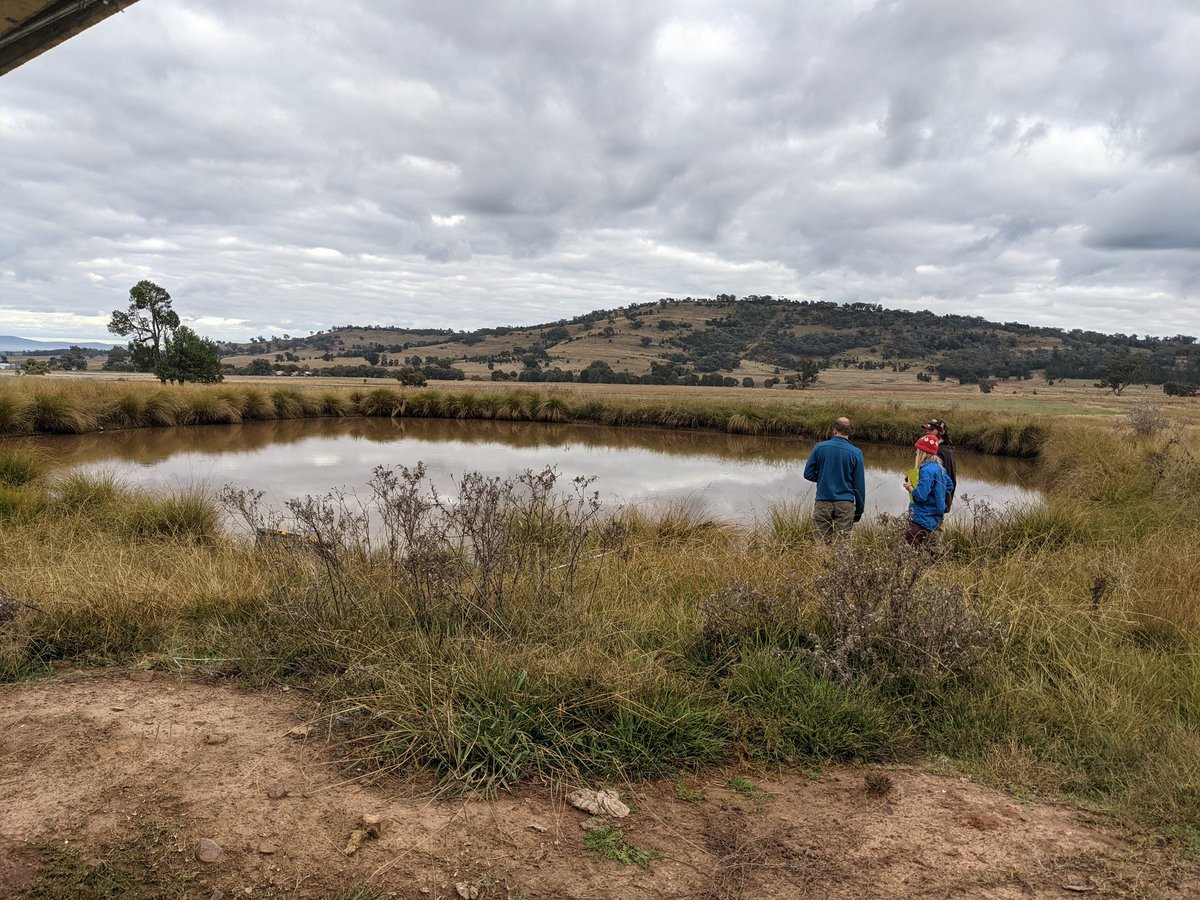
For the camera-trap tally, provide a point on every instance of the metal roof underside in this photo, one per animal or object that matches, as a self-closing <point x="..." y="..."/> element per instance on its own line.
<point x="28" y="28"/>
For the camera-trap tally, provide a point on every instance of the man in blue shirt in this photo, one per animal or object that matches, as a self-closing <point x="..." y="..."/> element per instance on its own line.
<point x="837" y="467"/>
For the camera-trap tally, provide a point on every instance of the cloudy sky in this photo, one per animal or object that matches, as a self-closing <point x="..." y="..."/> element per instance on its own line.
<point x="292" y="165"/>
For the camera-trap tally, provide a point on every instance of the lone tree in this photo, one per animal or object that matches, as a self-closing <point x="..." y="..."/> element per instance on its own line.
<point x="148" y="323"/>
<point x="189" y="357"/>
<point x="1121" y="371"/>
<point x="806" y="375"/>
<point x="158" y="343"/>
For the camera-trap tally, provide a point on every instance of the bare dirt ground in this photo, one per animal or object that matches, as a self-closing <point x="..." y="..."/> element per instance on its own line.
<point x="109" y="781"/>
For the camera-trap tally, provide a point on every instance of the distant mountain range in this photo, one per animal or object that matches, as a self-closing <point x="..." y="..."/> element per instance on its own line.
<point x="12" y="344"/>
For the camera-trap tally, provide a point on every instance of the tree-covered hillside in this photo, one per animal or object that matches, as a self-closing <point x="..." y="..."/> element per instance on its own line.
<point x="756" y="339"/>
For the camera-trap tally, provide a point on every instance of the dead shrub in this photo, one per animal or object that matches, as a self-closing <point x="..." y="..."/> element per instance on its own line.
<point x="742" y="615"/>
<point x="441" y="559"/>
<point x="887" y="617"/>
<point x="1147" y="419"/>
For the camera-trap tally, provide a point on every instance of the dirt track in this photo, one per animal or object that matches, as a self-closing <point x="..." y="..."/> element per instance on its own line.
<point x="110" y="763"/>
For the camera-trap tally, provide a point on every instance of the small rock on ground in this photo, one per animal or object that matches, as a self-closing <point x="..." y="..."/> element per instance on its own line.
<point x="598" y="803"/>
<point x="208" y="851"/>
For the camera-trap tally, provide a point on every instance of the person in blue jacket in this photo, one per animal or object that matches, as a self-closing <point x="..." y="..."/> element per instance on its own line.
<point x="928" y="497"/>
<point x="837" y="467"/>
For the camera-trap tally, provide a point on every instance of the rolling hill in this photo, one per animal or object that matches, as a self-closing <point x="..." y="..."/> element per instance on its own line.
<point x="727" y="338"/>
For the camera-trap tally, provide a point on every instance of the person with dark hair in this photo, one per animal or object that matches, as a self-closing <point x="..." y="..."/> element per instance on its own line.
<point x="945" y="453"/>
<point x="838" y="468"/>
<point x="927" y="498"/>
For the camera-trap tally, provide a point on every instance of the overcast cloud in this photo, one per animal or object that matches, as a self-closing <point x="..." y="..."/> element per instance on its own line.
<point x="291" y="165"/>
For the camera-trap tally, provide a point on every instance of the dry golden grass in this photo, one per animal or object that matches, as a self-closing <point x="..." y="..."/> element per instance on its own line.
<point x="1075" y="398"/>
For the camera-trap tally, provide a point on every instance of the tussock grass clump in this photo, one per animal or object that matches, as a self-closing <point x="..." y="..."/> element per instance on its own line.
<point x="12" y="414"/>
<point x="128" y="410"/>
<point x="1171" y="572"/>
<point x="679" y="520"/>
<point x="83" y="494"/>
<point x="993" y="533"/>
<point x="21" y="504"/>
<point x="55" y="413"/>
<point x="740" y="423"/>
<point x="211" y="408"/>
<point x="788" y="524"/>
<point x="256" y="406"/>
<point x="294" y="404"/>
<point x="381" y="402"/>
<point x="20" y="466"/>
<point x="335" y="404"/>
<point x="485" y="723"/>
<point x="184" y="516"/>
<point x="101" y="501"/>
<point x="162" y="409"/>
<point x="551" y="409"/>
<point x="460" y="406"/>
<point x="109" y="572"/>
<point x="515" y="407"/>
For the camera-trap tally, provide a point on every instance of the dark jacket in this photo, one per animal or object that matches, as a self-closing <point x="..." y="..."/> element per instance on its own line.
<point x="946" y="455"/>
<point x="928" y="498"/>
<point x="837" y="467"/>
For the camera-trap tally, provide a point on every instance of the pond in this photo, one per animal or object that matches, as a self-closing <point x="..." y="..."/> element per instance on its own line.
<point x="732" y="477"/>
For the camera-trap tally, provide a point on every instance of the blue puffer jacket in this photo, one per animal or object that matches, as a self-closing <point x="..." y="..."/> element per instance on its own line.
<point x="928" y="503"/>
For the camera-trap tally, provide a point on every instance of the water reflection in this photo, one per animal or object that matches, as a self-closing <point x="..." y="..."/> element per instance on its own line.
<point x="734" y="476"/>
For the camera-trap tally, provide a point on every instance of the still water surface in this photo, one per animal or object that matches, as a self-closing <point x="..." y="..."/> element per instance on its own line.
<point x="734" y="477"/>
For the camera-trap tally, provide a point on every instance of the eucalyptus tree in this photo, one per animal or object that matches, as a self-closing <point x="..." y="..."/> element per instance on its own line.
<point x="148" y="323"/>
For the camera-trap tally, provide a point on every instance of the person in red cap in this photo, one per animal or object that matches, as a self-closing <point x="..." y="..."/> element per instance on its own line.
<point x="927" y="498"/>
<point x="945" y="454"/>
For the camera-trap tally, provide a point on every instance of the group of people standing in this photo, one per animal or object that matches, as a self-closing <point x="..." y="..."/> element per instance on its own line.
<point x="839" y="471"/>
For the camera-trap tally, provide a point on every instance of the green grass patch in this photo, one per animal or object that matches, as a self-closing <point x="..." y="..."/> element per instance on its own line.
<point x="785" y="713"/>
<point x="608" y="843"/>
<point x="740" y="784"/>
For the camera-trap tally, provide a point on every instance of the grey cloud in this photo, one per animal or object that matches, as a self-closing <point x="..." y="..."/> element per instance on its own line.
<point x="472" y="162"/>
<point x="1159" y="214"/>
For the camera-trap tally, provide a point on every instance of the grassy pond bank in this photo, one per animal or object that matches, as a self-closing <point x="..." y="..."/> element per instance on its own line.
<point x="522" y="633"/>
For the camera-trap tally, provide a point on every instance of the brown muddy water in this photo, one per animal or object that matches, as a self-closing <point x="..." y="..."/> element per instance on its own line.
<point x="731" y="477"/>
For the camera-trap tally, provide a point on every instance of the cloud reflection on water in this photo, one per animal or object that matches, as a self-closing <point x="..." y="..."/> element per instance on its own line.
<point x="734" y="477"/>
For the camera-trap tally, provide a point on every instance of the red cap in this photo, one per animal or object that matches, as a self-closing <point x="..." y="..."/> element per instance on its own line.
<point x="928" y="443"/>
